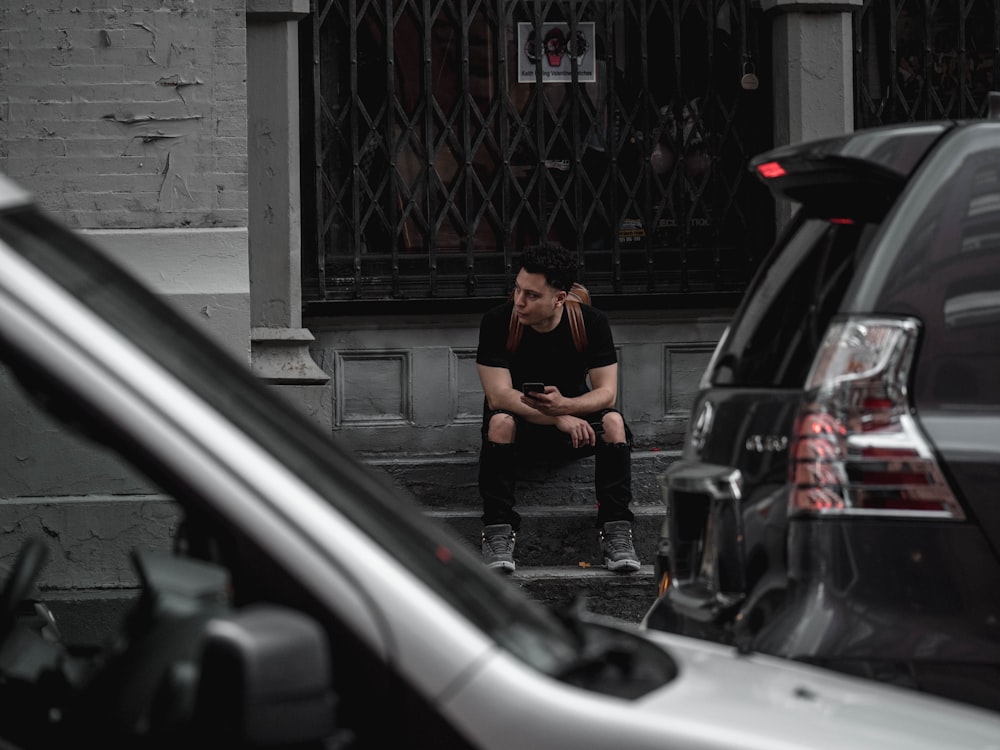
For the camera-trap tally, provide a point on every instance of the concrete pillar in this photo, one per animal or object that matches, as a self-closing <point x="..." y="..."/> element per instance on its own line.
<point x="279" y="344"/>
<point x="813" y="70"/>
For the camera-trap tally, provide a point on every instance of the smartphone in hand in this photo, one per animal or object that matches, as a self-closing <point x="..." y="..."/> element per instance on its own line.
<point x="529" y="388"/>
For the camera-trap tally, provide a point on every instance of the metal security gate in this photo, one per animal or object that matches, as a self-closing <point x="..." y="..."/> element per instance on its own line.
<point x="448" y="134"/>
<point x="920" y="60"/>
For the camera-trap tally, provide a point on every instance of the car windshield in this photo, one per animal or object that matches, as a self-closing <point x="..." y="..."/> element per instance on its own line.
<point x="391" y="520"/>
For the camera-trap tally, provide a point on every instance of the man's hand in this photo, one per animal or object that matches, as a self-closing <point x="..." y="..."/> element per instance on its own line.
<point x="579" y="430"/>
<point x="551" y="403"/>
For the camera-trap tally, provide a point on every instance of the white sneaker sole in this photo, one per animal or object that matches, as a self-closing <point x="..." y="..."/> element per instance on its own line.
<point x="628" y="566"/>
<point x="501" y="565"/>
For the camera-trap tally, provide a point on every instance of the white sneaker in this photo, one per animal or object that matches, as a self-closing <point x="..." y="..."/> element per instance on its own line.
<point x="619" y="552"/>
<point x="498" y="546"/>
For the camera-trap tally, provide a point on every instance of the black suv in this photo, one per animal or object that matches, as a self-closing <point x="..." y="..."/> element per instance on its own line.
<point x="838" y="497"/>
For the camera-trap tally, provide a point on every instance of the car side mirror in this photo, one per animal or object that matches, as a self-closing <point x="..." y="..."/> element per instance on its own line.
<point x="265" y="680"/>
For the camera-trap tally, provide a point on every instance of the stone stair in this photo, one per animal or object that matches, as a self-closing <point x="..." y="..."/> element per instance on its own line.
<point x="558" y="554"/>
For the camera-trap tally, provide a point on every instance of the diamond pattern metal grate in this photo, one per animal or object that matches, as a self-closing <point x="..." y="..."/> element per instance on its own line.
<point x="917" y="60"/>
<point x="450" y="133"/>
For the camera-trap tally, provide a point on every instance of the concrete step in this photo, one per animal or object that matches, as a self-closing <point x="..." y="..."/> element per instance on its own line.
<point x="443" y="481"/>
<point x="90" y="580"/>
<point x="625" y="596"/>
<point x="558" y="554"/>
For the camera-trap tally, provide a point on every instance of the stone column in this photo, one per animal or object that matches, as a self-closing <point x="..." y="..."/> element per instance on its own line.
<point x="813" y="71"/>
<point x="279" y="344"/>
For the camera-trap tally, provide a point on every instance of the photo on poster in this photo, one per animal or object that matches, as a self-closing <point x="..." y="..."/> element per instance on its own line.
<point x="557" y="50"/>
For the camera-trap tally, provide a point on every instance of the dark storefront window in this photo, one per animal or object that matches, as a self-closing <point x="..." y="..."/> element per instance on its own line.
<point x="920" y="60"/>
<point x="449" y="133"/>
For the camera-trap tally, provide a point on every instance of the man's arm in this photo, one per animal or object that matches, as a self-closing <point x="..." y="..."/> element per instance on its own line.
<point x="567" y="414"/>
<point x="602" y="395"/>
<point x="604" y="387"/>
<point x="552" y="407"/>
<point x="501" y="395"/>
<point x="544" y="408"/>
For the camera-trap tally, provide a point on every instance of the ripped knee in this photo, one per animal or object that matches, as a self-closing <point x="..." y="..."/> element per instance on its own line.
<point x="502" y="428"/>
<point x="614" y="428"/>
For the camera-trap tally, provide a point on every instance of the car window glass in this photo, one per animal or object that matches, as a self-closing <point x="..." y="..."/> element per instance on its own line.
<point x="391" y="520"/>
<point x="777" y="329"/>
<point x="56" y="466"/>
<point x="946" y="273"/>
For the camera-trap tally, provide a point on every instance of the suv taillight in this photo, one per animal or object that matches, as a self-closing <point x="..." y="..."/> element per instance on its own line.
<point x="856" y="449"/>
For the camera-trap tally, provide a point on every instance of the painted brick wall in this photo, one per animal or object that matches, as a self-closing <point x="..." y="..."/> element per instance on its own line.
<point x="127" y="114"/>
<point x="127" y="119"/>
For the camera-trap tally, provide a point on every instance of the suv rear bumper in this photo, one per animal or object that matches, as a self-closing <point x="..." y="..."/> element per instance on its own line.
<point x="892" y="598"/>
<point x="722" y="552"/>
<point x="701" y="545"/>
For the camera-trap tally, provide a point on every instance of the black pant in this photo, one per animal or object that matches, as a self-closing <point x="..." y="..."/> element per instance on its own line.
<point x="499" y="463"/>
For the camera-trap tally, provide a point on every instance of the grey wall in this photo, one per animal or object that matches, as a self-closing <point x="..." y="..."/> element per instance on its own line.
<point x="410" y="385"/>
<point x="128" y="122"/>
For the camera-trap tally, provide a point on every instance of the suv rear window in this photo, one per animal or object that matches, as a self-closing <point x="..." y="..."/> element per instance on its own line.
<point x="845" y="186"/>
<point x="776" y="331"/>
<point x="945" y="249"/>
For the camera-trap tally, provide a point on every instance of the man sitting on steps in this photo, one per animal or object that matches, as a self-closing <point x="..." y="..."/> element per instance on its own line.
<point x="548" y="334"/>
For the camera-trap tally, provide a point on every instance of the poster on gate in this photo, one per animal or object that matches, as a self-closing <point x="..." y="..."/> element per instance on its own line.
<point x="557" y="50"/>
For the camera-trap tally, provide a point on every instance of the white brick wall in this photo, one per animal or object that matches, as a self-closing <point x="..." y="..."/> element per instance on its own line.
<point x="127" y="115"/>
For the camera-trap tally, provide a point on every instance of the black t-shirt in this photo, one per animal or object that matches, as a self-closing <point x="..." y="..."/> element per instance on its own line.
<point x="549" y="358"/>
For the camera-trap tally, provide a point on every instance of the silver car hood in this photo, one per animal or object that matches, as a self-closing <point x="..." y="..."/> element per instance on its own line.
<point x="805" y="706"/>
<point x="720" y="700"/>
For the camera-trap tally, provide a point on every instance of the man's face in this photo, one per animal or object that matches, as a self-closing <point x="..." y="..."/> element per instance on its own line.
<point x="537" y="304"/>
